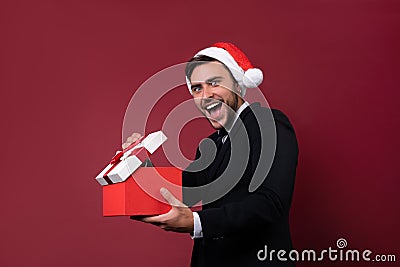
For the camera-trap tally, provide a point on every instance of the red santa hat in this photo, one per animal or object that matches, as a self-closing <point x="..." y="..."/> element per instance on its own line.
<point x="236" y="61"/>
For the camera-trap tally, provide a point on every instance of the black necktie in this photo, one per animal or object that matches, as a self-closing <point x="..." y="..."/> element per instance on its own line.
<point x="219" y="142"/>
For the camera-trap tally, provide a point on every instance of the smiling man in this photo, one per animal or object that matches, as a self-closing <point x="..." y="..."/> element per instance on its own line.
<point x="253" y="143"/>
<point x="213" y="89"/>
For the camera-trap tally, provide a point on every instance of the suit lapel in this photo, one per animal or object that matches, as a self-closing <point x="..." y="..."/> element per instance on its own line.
<point x="222" y="158"/>
<point x="215" y="166"/>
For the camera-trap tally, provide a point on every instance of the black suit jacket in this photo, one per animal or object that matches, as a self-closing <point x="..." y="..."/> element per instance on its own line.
<point x="240" y="223"/>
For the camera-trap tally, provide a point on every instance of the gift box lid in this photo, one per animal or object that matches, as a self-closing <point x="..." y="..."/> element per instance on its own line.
<point x="125" y="162"/>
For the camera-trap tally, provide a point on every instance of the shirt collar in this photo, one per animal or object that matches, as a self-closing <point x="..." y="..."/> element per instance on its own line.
<point x="241" y="108"/>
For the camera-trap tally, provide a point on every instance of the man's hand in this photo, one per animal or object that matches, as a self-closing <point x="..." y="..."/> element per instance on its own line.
<point x="131" y="139"/>
<point x="178" y="219"/>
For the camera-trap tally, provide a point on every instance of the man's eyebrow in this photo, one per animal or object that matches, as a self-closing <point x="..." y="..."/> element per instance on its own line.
<point x="198" y="84"/>
<point x="214" y="78"/>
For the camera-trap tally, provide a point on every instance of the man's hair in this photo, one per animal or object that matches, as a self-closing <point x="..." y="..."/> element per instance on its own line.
<point x="200" y="60"/>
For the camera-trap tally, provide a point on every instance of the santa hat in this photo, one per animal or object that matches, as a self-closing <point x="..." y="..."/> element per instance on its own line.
<point x="236" y="61"/>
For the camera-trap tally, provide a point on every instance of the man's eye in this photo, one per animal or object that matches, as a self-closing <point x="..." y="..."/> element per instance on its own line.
<point x="196" y="89"/>
<point x="214" y="83"/>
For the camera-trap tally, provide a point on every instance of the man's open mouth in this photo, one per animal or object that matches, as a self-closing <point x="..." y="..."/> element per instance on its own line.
<point x="213" y="109"/>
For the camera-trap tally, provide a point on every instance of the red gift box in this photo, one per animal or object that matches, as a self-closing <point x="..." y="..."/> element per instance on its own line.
<point x="140" y="193"/>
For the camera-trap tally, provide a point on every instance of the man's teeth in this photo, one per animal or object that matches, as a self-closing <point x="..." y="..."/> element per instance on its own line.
<point x="212" y="106"/>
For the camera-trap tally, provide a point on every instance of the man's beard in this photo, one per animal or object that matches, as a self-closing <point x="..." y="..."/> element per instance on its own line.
<point x="210" y="107"/>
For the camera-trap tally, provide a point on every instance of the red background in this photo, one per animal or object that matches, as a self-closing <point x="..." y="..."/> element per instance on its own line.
<point x="69" y="68"/>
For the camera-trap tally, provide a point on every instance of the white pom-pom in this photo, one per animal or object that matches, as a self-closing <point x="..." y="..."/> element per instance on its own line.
<point x="252" y="78"/>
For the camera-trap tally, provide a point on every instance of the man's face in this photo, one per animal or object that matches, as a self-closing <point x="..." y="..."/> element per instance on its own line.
<point x="214" y="93"/>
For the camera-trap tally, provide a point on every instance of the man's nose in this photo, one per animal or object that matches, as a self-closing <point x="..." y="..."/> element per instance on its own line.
<point x="207" y="91"/>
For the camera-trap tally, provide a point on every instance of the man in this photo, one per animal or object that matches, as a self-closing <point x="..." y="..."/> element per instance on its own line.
<point x="246" y="192"/>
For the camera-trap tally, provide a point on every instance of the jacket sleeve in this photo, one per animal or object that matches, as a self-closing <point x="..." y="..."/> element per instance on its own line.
<point x="268" y="203"/>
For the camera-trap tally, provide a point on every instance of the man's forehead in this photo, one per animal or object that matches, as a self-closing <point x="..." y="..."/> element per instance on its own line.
<point x="209" y="70"/>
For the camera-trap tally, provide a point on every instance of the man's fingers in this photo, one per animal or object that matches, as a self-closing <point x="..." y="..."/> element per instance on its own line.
<point x="139" y="217"/>
<point x="172" y="200"/>
<point x="133" y="138"/>
<point x="125" y="145"/>
<point x="156" y="219"/>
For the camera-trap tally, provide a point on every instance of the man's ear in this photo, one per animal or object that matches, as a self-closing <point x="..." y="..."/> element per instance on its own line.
<point x="238" y="89"/>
